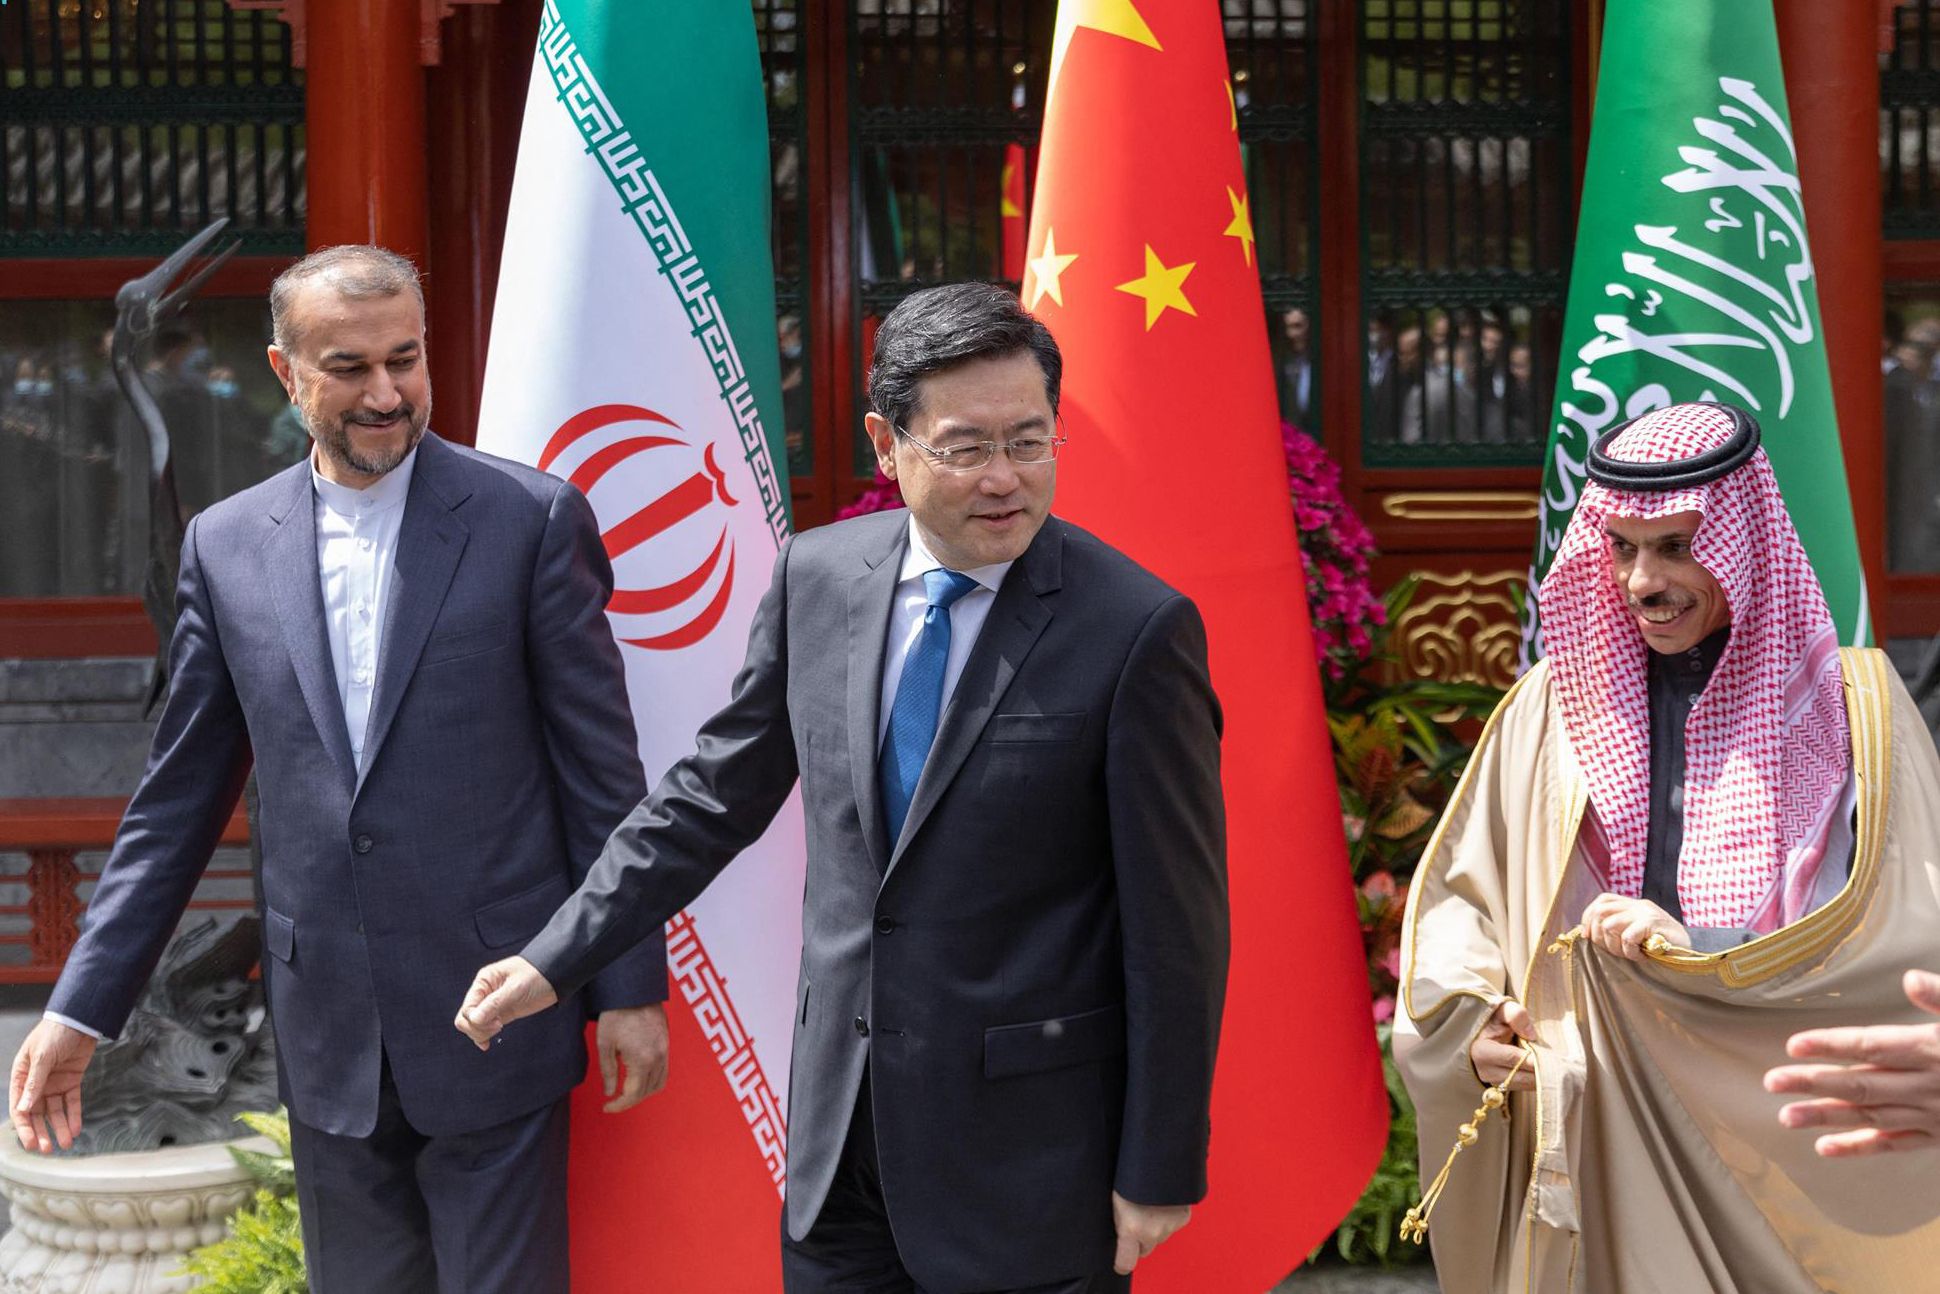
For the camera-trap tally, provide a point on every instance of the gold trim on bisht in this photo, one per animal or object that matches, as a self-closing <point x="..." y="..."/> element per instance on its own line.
<point x="1868" y="715"/>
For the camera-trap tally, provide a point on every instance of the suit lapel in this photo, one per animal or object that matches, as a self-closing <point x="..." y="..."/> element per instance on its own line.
<point x="296" y="589"/>
<point x="870" y="596"/>
<point x="430" y="541"/>
<point x="1017" y="619"/>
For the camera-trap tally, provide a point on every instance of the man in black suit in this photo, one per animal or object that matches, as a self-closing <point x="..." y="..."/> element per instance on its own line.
<point x="408" y="639"/>
<point x="1015" y="923"/>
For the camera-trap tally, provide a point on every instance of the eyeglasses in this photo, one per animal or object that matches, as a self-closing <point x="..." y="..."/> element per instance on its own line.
<point x="975" y="455"/>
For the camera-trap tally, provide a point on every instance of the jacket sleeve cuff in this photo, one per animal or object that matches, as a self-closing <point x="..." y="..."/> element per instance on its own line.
<point x="638" y="978"/>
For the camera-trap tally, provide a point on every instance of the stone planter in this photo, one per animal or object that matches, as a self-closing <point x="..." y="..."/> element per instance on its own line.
<point x="115" y="1224"/>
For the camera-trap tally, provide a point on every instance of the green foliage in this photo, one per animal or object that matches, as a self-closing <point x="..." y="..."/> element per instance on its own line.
<point x="1398" y="750"/>
<point x="263" y="1252"/>
<point x="1371" y="1232"/>
<point x="273" y="1171"/>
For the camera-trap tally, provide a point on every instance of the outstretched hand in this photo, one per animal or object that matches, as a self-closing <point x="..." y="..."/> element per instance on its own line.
<point x="1879" y="1083"/>
<point x="45" y="1092"/>
<point x="501" y="993"/>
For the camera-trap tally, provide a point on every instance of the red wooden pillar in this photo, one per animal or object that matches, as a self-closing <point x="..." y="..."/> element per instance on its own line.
<point x="373" y="115"/>
<point x="475" y="107"/>
<point x="1831" y="57"/>
<point x="365" y="124"/>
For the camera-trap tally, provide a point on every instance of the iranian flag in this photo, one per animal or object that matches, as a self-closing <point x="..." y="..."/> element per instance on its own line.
<point x="1693" y="277"/>
<point x="1141" y="261"/>
<point x="633" y="353"/>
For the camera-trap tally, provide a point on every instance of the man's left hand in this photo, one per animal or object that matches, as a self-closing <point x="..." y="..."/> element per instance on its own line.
<point x="1142" y="1228"/>
<point x="1883" y="1086"/>
<point x="1620" y="926"/>
<point x="634" y="1038"/>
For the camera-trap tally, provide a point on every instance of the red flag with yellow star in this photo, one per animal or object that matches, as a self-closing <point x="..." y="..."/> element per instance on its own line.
<point x="1010" y="211"/>
<point x="1141" y="263"/>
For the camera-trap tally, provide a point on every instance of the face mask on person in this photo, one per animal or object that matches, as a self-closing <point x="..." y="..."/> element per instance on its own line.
<point x="222" y="388"/>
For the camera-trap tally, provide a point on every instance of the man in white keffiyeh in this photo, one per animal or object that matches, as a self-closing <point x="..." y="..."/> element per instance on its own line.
<point x="1696" y="827"/>
<point x="1719" y="720"/>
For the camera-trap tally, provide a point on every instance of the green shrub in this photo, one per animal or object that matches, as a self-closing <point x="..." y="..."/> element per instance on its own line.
<point x="263" y="1252"/>
<point x="1371" y="1232"/>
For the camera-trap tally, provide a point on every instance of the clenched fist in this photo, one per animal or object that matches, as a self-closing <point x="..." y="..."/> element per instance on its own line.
<point x="501" y="993"/>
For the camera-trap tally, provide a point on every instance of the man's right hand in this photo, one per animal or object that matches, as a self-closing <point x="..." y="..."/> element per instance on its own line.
<point x="502" y="992"/>
<point x="46" y="1088"/>
<point x="1495" y="1052"/>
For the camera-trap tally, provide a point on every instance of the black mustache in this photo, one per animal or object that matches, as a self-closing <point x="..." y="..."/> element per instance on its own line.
<point x="1661" y="602"/>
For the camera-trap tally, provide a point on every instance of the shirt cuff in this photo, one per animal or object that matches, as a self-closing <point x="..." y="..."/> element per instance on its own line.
<point x="74" y="1024"/>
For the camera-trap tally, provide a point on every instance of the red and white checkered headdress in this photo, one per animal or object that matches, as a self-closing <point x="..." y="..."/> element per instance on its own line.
<point x="1766" y="746"/>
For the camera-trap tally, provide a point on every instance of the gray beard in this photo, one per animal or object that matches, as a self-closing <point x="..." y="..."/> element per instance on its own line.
<point x="335" y="444"/>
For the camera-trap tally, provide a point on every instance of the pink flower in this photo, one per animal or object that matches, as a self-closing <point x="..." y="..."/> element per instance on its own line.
<point x="1384" y="1008"/>
<point x="1391" y="963"/>
<point x="1335" y="548"/>
<point x="881" y="496"/>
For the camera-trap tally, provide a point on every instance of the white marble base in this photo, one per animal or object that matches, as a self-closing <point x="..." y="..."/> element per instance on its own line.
<point x="115" y="1224"/>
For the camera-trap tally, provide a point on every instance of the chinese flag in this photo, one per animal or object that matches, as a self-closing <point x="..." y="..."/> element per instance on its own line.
<point x="1010" y="211"/>
<point x="1141" y="261"/>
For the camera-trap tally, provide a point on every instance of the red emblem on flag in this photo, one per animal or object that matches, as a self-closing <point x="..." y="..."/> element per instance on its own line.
<point x="688" y="496"/>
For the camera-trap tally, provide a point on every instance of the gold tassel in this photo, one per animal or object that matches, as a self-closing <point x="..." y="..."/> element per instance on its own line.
<point x="1415" y="1225"/>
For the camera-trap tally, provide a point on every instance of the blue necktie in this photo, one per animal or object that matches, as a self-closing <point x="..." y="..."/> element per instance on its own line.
<point x="919" y="700"/>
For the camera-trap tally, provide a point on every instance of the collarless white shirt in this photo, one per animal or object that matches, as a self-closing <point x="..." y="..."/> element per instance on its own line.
<point x="967" y="615"/>
<point x="357" y="534"/>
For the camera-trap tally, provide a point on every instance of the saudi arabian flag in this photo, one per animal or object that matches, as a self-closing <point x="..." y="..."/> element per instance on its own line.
<point x="1693" y="277"/>
<point x="633" y="353"/>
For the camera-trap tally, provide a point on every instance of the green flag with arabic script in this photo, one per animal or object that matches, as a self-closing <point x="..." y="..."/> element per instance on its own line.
<point x="1693" y="277"/>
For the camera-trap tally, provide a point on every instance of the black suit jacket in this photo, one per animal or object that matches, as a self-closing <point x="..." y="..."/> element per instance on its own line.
<point x="1033" y="974"/>
<point x="499" y="754"/>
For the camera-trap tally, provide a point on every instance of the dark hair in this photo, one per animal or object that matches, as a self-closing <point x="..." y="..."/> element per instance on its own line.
<point x="357" y="271"/>
<point x="939" y="328"/>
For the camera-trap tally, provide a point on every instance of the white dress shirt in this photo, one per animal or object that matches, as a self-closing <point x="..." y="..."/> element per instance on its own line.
<point x="356" y="561"/>
<point x="967" y="615"/>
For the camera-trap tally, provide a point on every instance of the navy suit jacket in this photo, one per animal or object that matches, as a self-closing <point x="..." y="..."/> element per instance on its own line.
<point x="1032" y="975"/>
<point x="499" y="755"/>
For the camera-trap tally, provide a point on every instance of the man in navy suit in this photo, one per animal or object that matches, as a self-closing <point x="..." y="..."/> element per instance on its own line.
<point x="1015" y="923"/>
<point x="409" y="641"/>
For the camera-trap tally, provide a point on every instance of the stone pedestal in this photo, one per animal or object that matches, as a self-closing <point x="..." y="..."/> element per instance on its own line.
<point x="115" y="1224"/>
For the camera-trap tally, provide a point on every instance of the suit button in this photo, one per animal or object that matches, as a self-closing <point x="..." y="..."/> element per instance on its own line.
<point x="884" y="925"/>
<point x="363" y="844"/>
<point x="862" y="1026"/>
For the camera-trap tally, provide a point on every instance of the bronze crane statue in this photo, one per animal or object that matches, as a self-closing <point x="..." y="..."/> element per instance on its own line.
<point x="142" y="307"/>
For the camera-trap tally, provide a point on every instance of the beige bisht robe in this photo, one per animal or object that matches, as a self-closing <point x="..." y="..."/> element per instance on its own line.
<point x="1650" y="1158"/>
